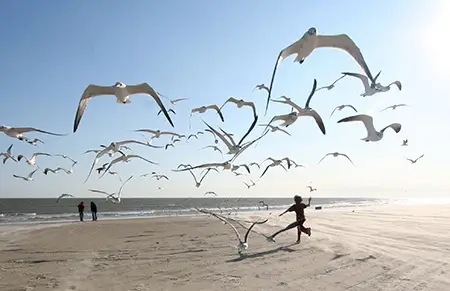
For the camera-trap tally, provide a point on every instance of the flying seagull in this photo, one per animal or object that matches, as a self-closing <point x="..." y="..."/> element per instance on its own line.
<point x="372" y="133"/>
<point x="66" y="157"/>
<point x="125" y="158"/>
<point x="307" y="111"/>
<point x="17" y="132"/>
<point x="197" y="182"/>
<point x="32" y="161"/>
<point x="64" y="195"/>
<point x="415" y="161"/>
<point x="250" y="185"/>
<point x="405" y="143"/>
<point x="210" y="193"/>
<point x="335" y="154"/>
<point x="274" y="128"/>
<point x="311" y="41"/>
<point x="311" y="189"/>
<point x="29" y="178"/>
<point x="241" y="103"/>
<point x="170" y="110"/>
<point x="215" y="148"/>
<point x="55" y="171"/>
<point x="273" y="164"/>
<point x="158" y="133"/>
<point x="113" y="197"/>
<point x="174" y="101"/>
<point x="8" y="155"/>
<point x="34" y="141"/>
<point x="212" y="107"/>
<point x="340" y="107"/>
<point x="225" y="165"/>
<point x="329" y="87"/>
<point x="243" y="244"/>
<point x="159" y="177"/>
<point x="122" y="93"/>
<point x="261" y="87"/>
<point x="393" y="107"/>
<point x="369" y="89"/>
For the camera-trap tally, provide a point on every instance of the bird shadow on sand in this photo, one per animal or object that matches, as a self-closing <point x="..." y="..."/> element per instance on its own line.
<point x="242" y="257"/>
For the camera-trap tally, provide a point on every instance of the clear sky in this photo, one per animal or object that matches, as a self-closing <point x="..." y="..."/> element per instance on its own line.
<point x="208" y="51"/>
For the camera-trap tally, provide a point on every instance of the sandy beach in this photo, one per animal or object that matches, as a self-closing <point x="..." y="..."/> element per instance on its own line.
<point x="384" y="248"/>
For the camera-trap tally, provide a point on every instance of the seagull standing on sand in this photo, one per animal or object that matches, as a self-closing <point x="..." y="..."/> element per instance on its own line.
<point x="393" y="107"/>
<point x="372" y="133"/>
<point x="307" y="111"/>
<point x="210" y="107"/>
<point x="17" y="132"/>
<point x="122" y="93"/>
<point x="340" y="107"/>
<point x="415" y="161"/>
<point x="329" y="87"/>
<point x="311" y="189"/>
<point x="29" y="178"/>
<point x="64" y="195"/>
<point x="32" y="161"/>
<point x="405" y="143"/>
<point x="336" y="154"/>
<point x="311" y="41"/>
<point x="8" y="155"/>
<point x="243" y="244"/>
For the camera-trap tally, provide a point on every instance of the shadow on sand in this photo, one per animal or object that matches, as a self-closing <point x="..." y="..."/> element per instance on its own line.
<point x="262" y="254"/>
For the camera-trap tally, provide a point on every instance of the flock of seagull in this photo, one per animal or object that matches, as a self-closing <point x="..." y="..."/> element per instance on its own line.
<point x="223" y="142"/>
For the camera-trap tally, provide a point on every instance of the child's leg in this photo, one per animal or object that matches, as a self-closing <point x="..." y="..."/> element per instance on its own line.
<point x="299" y="233"/>
<point x="292" y="225"/>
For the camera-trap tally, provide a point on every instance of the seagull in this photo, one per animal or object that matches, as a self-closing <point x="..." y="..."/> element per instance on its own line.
<point x="236" y="167"/>
<point x="102" y="168"/>
<point x="64" y="195"/>
<point x="170" y="110"/>
<point x="311" y="189"/>
<point x="382" y="88"/>
<point x="97" y="151"/>
<point x="241" y="103"/>
<point x="115" y="174"/>
<point x="393" y="107"/>
<point x="198" y="183"/>
<point x="307" y="111"/>
<point x="274" y="128"/>
<point x="340" y="107"/>
<point x="233" y="148"/>
<point x="169" y="145"/>
<point x="192" y="135"/>
<point x="225" y="165"/>
<point x="34" y="141"/>
<point x="122" y="93"/>
<point x="174" y="100"/>
<point x="263" y="204"/>
<point x="204" y="108"/>
<point x="372" y="133"/>
<point x="7" y="155"/>
<point x="17" y="132"/>
<point x="311" y="41"/>
<point x="158" y="133"/>
<point x="369" y="90"/>
<point x="32" y="161"/>
<point x="66" y="157"/>
<point x="250" y="185"/>
<point x="336" y="154"/>
<point x="111" y="196"/>
<point x="29" y="178"/>
<point x="405" y="143"/>
<point x="415" y="161"/>
<point x="159" y="177"/>
<point x="243" y="244"/>
<point x="55" y="171"/>
<point x="254" y="164"/>
<point x="210" y="193"/>
<point x="126" y="158"/>
<point x="261" y="87"/>
<point x="184" y="166"/>
<point x="216" y="141"/>
<point x="213" y="147"/>
<point x="115" y="147"/>
<point x="291" y="162"/>
<point x="329" y="87"/>
<point x="273" y="164"/>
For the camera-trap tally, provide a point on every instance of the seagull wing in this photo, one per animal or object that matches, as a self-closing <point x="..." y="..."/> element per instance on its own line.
<point x="90" y="92"/>
<point x="363" y="79"/>
<point x="120" y="143"/>
<point x="192" y="173"/>
<point x="367" y="120"/>
<point x="338" y="79"/>
<point x="123" y="184"/>
<point x="395" y="126"/>
<point x="231" y="99"/>
<point x="267" y="168"/>
<point x="317" y="118"/>
<point x="311" y="94"/>
<point x="344" y="155"/>
<point x="252" y="126"/>
<point x="251" y="226"/>
<point x="28" y="129"/>
<point x="147" y="130"/>
<point x="145" y="88"/>
<point x="324" y="158"/>
<point x="334" y="111"/>
<point x="389" y="107"/>
<point x="222" y="138"/>
<point x="420" y="157"/>
<point x="31" y="174"/>
<point x="352" y="107"/>
<point x="397" y="83"/>
<point x="99" y="191"/>
<point x="224" y="220"/>
<point x="344" y="42"/>
<point x="144" y="159"/>
<point x="216" y="108"/>
<point x="282" y="130"/>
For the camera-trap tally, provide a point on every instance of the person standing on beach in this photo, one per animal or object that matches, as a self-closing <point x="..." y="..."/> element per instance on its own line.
<point x="299" y="208"/>
<point x="94" y="211"/>
<point x="81" y="210"/>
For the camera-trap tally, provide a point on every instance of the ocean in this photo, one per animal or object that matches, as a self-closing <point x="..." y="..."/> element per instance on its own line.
<point x="19" y="211"/>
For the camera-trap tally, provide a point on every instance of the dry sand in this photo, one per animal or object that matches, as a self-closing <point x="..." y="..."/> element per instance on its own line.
<point x="385" y="248"/>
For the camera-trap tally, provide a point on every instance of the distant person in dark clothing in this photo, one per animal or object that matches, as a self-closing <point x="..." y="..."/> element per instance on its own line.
<point x="94" y="211"/>
<point x="81" y="210"/>
<point x="299" y="208"/>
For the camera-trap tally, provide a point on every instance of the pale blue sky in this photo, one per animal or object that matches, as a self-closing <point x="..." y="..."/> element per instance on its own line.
<point x="208" y="51"/>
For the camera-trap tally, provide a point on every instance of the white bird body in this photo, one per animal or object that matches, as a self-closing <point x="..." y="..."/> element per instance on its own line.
<point x="241" y="103"/>
<point x="372" y="134"/>
<point x="122" y="93"/>
<point x="32" y="161"/>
